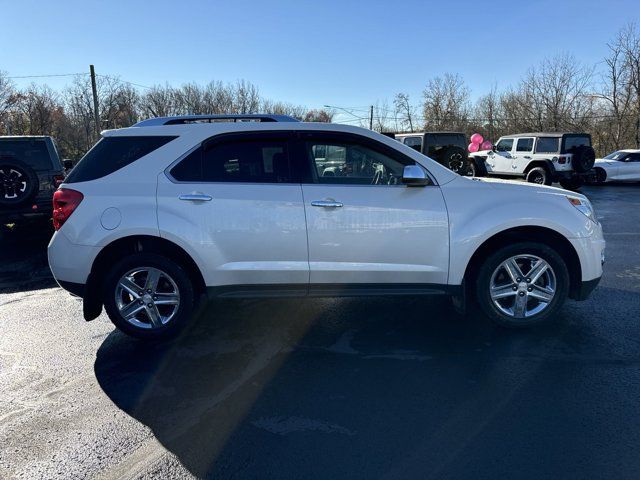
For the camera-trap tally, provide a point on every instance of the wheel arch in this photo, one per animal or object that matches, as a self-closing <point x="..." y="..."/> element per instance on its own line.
<point x="112" y="252"/>
<point x="546" y="164"/>
<point x="544" y="235"/>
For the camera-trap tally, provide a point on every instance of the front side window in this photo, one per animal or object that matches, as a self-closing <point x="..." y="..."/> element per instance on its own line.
<point x="504" y="145"/>
<point x="351" y="163"/>
<point x="633" y="157"/>
<point x="414" y="142"/>
<point x="548" y="145"/>
<point x="524" y="145"/>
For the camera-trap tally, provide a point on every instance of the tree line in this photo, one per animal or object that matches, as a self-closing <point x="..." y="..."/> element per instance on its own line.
<point x="559" y="94"/>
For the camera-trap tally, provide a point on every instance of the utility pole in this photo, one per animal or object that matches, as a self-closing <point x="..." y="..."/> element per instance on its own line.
<point x="371" y="118"/>
<point x="96" y="114"/>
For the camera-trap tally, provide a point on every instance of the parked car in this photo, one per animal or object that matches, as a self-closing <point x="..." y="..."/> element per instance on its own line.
<point x="543" y="158"/>
<point x="619" y="166"/>
<point x="30" y="171"/>
<point x="156" y="215"/>
<point x="447" y="148"/>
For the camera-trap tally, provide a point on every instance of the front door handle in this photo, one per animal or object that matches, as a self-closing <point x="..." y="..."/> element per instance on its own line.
<point x="195" y="197"/>
<point x="326" y="203"/>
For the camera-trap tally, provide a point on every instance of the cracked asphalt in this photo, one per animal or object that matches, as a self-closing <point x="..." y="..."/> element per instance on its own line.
<point x="324" y="388"/>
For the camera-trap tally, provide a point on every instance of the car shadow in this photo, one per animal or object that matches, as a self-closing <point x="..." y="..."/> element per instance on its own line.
<point x="23" y="258"/>
<point x="326" y="387"/>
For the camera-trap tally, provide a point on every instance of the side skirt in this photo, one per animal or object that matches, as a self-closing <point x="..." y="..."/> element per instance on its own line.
<point x="331" y="290"/>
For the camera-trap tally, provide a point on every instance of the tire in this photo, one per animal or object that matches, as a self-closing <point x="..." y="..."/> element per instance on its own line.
<point x="573" y="183"/>
<point x="507" y="310"/>
<point x="583" y="159"/>
<point x="18" y="182"/>
<point x="471" y="169"/>
<point x="539" y="175"/>
<point x="601" y="176"/>
<point x="173" y="279"/>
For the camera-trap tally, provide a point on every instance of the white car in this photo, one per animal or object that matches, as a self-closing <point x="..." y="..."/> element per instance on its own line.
<point x="156" y="215"/>
<point x="619" y="166"/>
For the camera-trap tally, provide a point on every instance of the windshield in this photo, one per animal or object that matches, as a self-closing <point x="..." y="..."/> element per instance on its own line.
<point x="617" y="155"/>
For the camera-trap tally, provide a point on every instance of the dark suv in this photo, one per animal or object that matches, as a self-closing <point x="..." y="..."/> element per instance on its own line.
<point x="30" y="171"/>
<point x="447" y="148"/>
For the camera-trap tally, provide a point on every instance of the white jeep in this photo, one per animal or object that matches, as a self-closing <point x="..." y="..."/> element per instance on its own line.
<point x="543" y="158"/>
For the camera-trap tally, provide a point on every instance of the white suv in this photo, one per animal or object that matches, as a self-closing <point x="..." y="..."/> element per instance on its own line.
<point x="543" y="158"/>
<point x="159" y="214"/>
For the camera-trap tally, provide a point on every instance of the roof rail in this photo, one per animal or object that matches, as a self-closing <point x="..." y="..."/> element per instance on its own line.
<point x="185" y="119"/>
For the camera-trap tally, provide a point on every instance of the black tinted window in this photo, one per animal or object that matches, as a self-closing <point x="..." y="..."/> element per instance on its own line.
<point x="190" y="168"/>
<point x="573" y="142"/>
<point x="547" y="145"/>
<point x="257" y="161"/>
<point x="33" y="152"/>
<point x="524" y="145"/>
<point x="113" y="153"/>
<point x="504" y="145"/>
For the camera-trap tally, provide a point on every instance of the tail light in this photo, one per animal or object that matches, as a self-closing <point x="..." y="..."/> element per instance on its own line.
<point x="65" y="201"/>
<point x="57" y="180"/>
<point x="562" y="159"/>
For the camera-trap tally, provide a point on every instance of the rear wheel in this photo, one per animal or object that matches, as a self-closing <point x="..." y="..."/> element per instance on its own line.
<point x="148" y="296"/>
<point x="522" y="285"/>
<point x="539" y="175"/>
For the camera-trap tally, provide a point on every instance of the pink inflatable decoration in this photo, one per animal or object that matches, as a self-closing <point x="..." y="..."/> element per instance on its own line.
<point x="486" y="145"/>
<point x="474" y="147"/>
<point x="477" y="138"/>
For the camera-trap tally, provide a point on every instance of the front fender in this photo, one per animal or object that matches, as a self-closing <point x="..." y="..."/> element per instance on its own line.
<point x="478" y="210"/>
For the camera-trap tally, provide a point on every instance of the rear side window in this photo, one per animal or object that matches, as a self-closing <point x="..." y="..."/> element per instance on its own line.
<point x="113" y="153"/>
<point x="524" y="145"/>
<point x="548" y="145"/>
<point x="33" y="152"/>
<point x="252" y="161"/>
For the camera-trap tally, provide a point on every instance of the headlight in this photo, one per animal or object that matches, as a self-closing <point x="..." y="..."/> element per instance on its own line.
<point x="584" y="206"/>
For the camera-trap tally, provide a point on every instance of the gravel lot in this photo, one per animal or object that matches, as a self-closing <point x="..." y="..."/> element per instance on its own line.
<point x="324" y="388"/>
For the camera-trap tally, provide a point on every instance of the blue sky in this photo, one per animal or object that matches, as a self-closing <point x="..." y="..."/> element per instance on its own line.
<point x="345" y="53"/>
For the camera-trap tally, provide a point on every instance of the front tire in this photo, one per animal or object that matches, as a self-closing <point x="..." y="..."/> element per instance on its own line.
<point x="148" y="296"/>
<point x="522" y="285"/>
<point x="601" y="176"/>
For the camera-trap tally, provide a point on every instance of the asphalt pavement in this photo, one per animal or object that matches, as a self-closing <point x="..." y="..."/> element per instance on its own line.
<point x="324" y="388"/>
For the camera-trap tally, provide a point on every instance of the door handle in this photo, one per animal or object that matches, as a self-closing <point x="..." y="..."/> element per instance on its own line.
<point x="527" y="157"/>
<point x="195" y="197"/>
<point x="326" y="203"/>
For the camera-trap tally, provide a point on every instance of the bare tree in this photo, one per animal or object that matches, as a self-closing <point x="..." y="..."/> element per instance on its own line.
<point x="323" y="116"/>
<point x="630" y="42"/>
<point x="446" y="103"/>
<point x="404" y="111"/>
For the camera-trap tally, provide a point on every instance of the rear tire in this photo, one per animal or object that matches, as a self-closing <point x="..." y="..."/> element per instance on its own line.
<point x="601" y="176"/>
<point x="148" y="296"/>
<point x="539" y="175"/>
<point x="524" y="306"/>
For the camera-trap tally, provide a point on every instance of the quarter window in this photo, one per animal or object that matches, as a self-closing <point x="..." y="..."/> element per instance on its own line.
<point x="548" y="145"/>
<point x="524" y="145"/>
<point x="350" y="163"/>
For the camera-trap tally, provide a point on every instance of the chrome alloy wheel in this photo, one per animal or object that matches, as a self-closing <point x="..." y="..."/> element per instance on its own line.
<point x="147" y="297"/>
<point x="522" y="286"/>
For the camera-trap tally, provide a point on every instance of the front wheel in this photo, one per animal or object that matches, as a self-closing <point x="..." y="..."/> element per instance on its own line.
<point x="522" y="285"/>
<point x="148" y="296"/>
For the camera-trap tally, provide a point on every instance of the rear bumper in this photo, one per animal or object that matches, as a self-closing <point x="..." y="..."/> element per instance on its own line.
<point x="70" y="263"/>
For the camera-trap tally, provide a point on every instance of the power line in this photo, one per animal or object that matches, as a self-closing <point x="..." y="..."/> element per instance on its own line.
<point x="50" y="75"/>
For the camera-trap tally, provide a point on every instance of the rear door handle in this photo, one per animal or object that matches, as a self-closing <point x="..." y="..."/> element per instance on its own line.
<point x="195" y="197"/>
<point x="326" y="203"/>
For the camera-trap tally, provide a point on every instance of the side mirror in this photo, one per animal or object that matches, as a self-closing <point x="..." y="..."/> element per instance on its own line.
<point x="494" y="148"/>
<point x="67" y="164"/>
<point x="415" y="176"/>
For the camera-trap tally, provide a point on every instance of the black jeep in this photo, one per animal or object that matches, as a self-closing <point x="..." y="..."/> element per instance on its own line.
<point x="447" y="148"/>
<point x="30" y="171"/>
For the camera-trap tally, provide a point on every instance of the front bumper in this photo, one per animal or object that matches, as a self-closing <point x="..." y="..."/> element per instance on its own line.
<point x="591" y="253"/>
<point x="585" y="289"/>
